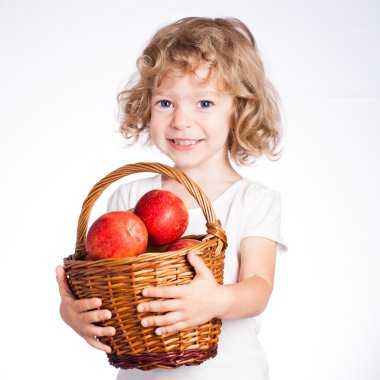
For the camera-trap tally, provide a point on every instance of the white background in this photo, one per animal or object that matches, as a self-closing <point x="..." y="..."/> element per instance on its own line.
<point x="62" y="64"/>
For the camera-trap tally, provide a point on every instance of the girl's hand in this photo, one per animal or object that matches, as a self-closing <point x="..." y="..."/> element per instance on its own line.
<point x="186" y="306"/>
<point x="81" y="315"/>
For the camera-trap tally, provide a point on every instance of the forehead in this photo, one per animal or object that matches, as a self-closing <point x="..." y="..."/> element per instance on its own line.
<point x="202" y="76"/>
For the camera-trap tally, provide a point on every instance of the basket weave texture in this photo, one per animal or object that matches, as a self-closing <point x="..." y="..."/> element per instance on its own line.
<point x="119" y="283"/>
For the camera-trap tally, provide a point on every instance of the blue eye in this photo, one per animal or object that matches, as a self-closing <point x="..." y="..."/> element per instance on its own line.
<point x="165" y="103"/>
<point x="205" y="103"/>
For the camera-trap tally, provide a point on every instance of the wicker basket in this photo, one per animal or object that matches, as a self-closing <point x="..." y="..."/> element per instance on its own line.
<point x="119" y="283"/>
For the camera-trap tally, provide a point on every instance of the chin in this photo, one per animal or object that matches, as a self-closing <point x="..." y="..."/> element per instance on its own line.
<point x="191" y="163"/>
<point x="184" y="164"/>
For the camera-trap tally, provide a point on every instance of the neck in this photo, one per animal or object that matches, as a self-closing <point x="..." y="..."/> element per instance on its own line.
<point x="221" y="171"/>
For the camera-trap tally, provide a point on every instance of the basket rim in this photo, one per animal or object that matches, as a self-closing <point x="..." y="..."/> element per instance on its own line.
<point x="207" y="242"/>
<point x="213" y="225"/>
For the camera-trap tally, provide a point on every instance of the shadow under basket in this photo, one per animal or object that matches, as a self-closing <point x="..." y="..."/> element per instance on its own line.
<point x="119" y="284"/>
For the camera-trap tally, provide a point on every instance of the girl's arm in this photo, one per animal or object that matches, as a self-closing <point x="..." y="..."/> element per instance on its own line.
<point x="81" y="315"/>
<point x="250" y="296"/>
<point x="190" y="305"/>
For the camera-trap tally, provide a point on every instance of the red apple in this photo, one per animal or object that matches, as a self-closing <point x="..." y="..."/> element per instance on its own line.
<point x="164" y="214"/>
<point x="180" y="244"/>
<point x="116" y="234"/>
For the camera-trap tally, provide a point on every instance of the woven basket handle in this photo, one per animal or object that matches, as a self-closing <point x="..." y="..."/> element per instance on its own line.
<point x="213" y="225"/>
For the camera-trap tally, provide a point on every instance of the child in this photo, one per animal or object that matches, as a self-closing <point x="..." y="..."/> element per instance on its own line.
<point x="203" y="99"/>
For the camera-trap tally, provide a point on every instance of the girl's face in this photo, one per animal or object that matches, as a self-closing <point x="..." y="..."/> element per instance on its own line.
<point x="190" y="122"/>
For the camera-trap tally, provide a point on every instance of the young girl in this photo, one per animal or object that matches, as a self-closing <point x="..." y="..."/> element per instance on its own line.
<point x="203" y="99"/>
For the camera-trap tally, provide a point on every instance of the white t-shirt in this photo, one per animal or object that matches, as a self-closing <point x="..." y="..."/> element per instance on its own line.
<point x="246" y="208"/>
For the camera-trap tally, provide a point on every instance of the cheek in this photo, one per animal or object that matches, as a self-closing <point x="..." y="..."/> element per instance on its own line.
<point x="154" y="132"/>
<point x="224" y="125"/>
<point x="152" y="124"/>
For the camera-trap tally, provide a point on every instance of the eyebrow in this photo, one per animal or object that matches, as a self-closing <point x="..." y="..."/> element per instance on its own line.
<point x="196" y="94"/>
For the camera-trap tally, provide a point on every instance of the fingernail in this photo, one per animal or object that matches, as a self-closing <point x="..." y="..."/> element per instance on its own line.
<point x="107" y="314"/>
<point x="144" y="323"/>
<point x="97" y="302"/>
<point x="158" y="331"/>
<point x="140" y="308"/>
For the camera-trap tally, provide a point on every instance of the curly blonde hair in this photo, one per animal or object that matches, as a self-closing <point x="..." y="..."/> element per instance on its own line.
<point x="229" y="48"/>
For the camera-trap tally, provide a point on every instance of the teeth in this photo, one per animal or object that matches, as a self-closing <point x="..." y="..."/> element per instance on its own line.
<point x="185" y="142"/>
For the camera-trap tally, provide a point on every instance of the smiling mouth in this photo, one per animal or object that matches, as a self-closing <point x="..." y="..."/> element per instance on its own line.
<point x="185" y="142"/>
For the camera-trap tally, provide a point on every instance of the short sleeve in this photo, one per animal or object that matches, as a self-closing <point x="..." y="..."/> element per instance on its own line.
<point x="263" y="216"/>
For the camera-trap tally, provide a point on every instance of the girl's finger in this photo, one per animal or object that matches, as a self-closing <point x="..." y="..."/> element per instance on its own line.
<point x="96" y="316"/>
<point x="87" y="304"/>
<point x="159" y="306"/>
<point x="171" y="329"/>
<point x="64" y="289"/>
<point x="163" y="292"/>
<point x="92" y="341"/>
<point x="161" y="320"/>
<point x="92" y="330"/>
<point x="201" y="269"/>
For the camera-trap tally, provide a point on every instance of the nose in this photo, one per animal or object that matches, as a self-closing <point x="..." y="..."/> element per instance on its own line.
<point x="181" y="118"/>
